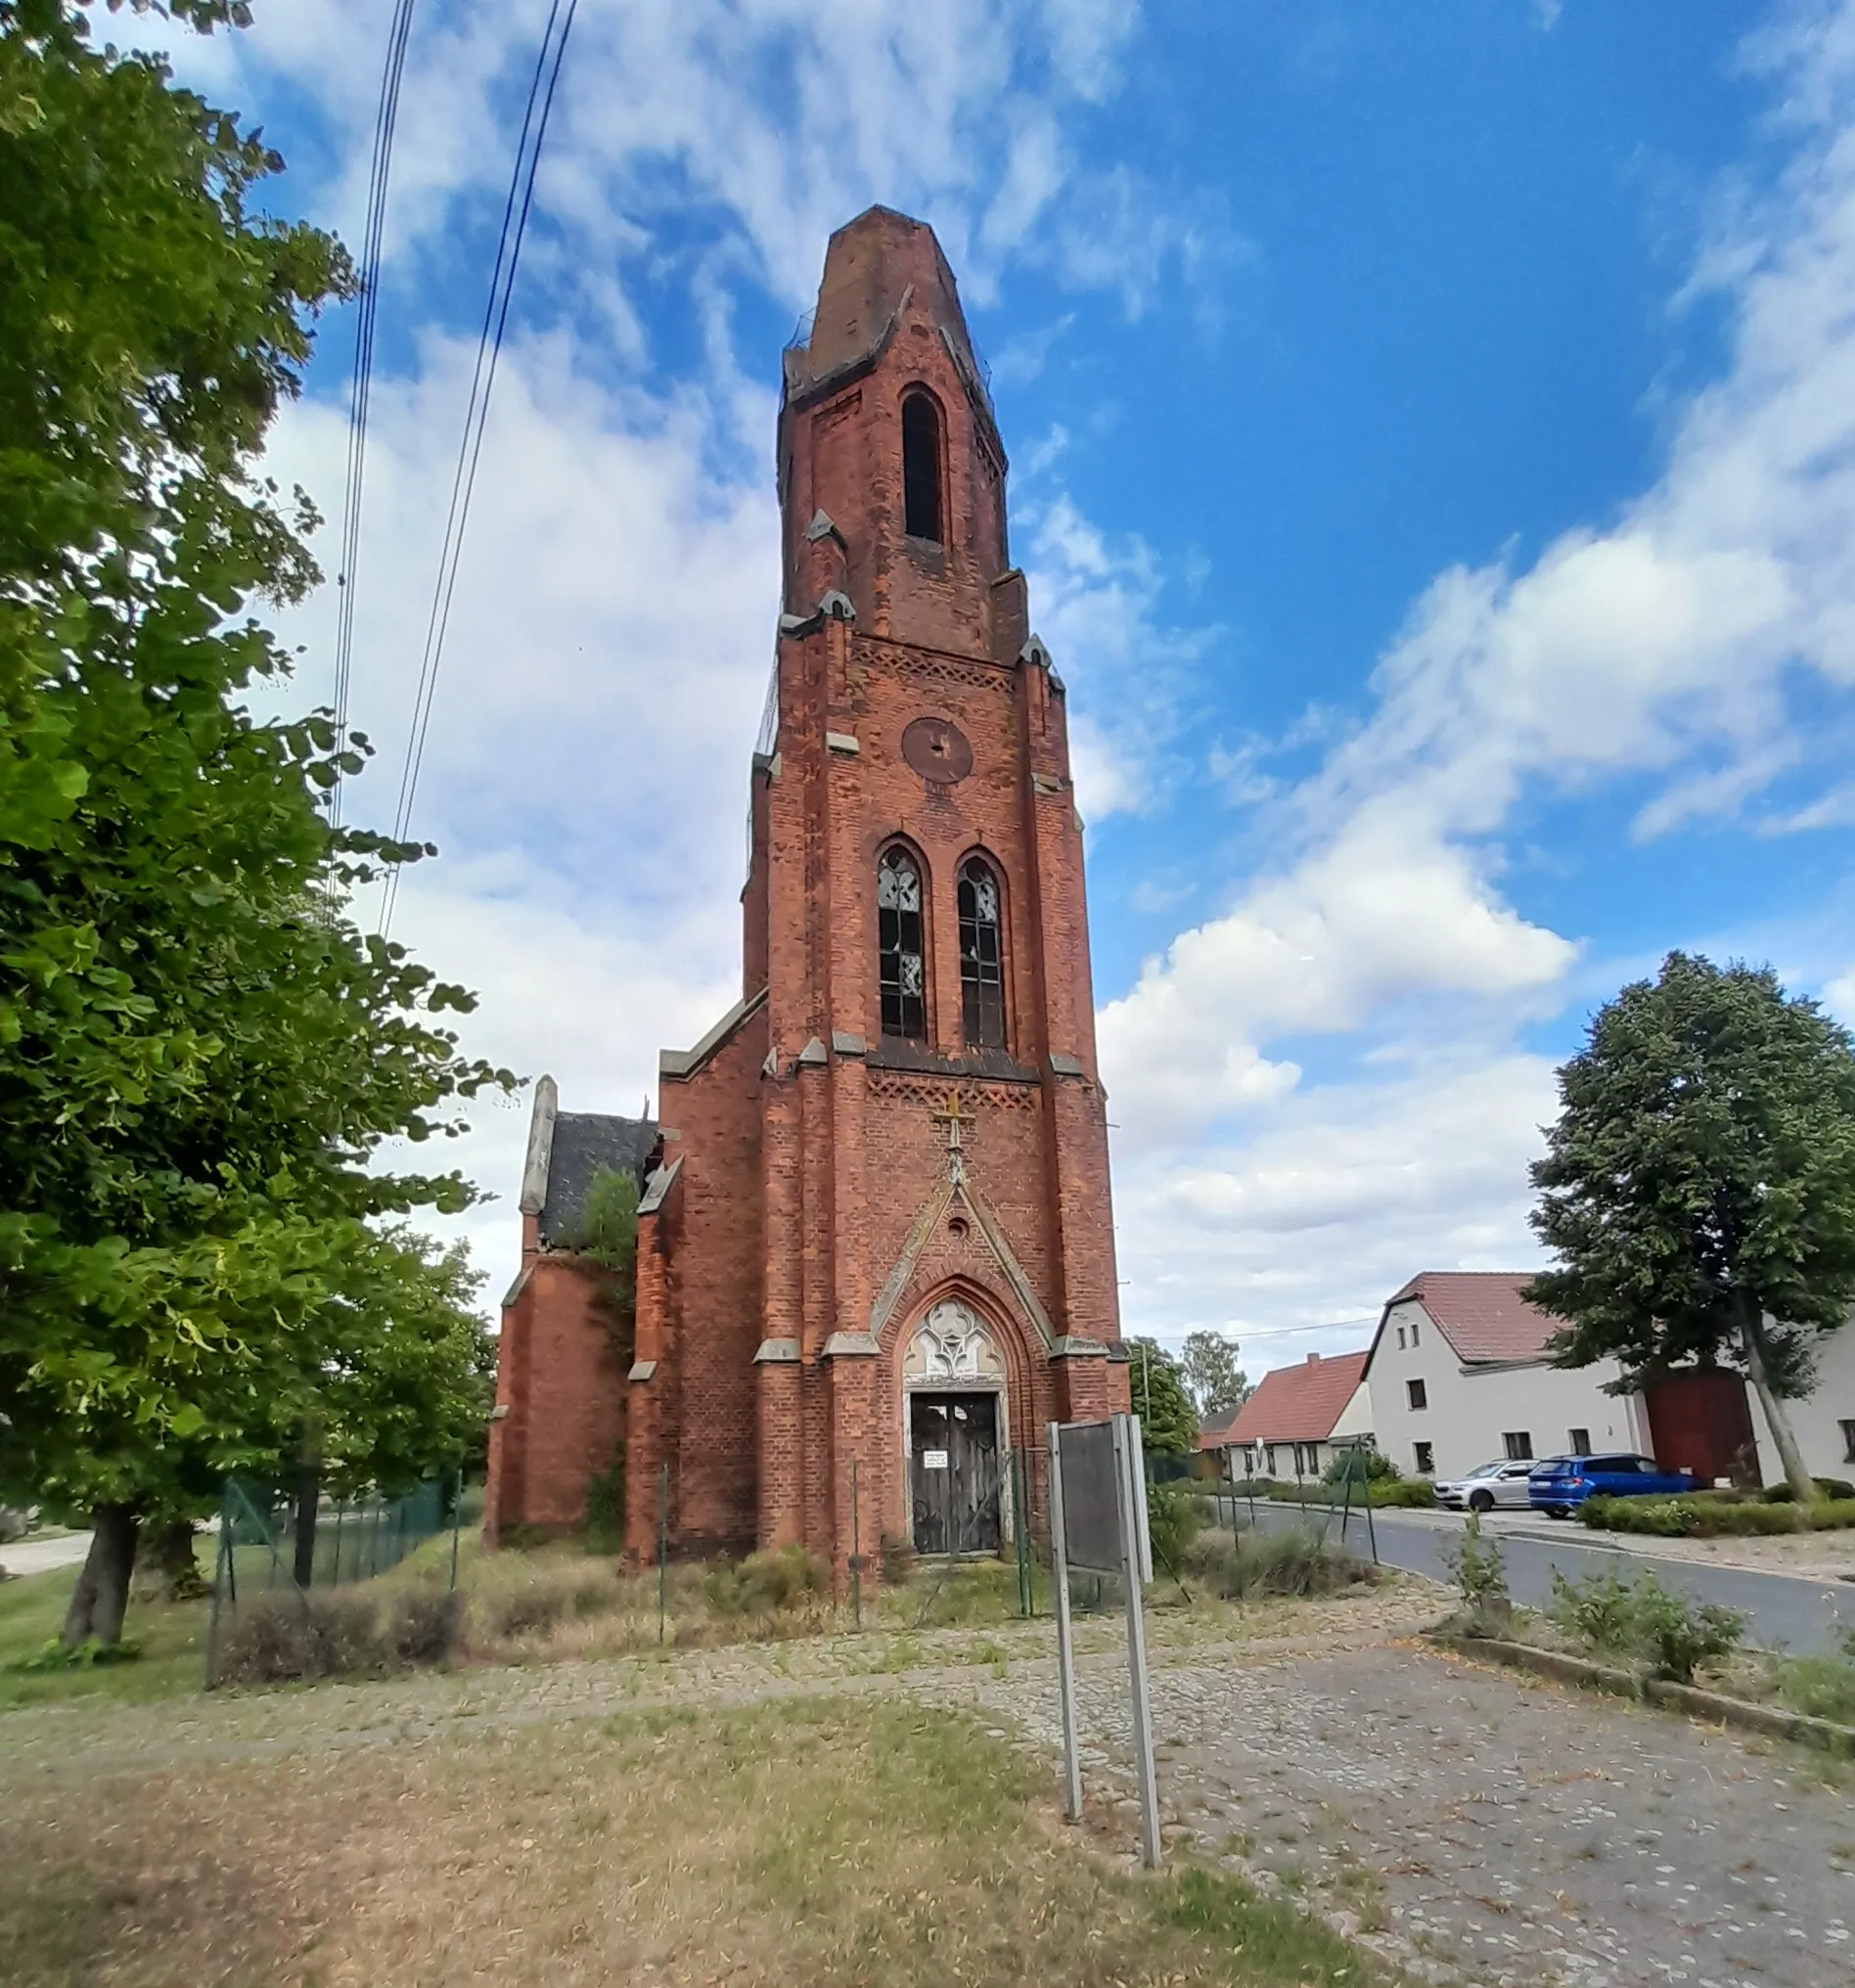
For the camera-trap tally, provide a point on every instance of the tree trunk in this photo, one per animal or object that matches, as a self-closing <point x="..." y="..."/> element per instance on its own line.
<point x="102" y="1594"/>
<point x="308" y="1496"/>
<point x="1752" y="1338"/>
<point x="181" y="1578"/>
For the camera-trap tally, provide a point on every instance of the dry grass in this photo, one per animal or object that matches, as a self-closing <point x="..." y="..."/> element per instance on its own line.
<point x="820" y="1841"/>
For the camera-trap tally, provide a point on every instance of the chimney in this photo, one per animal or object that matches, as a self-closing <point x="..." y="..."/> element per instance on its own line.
<point x="1313" y="1359"/>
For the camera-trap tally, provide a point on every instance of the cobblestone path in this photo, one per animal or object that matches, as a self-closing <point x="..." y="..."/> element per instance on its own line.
<point x="1478" y="1827"/>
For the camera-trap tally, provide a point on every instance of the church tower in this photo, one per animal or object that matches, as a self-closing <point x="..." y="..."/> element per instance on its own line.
<point x="876" y="1228"/>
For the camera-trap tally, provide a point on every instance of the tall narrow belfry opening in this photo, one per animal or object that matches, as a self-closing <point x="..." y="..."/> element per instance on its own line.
<point x="920" y="468"/>
<point x="874" y="1241"/>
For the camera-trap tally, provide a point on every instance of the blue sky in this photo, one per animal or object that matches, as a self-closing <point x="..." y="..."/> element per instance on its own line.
<point x="1434" y="443"/>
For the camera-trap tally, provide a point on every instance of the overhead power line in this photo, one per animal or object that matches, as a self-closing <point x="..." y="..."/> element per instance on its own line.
<point x="502" y="285"/>
<point x="367" y="318"/>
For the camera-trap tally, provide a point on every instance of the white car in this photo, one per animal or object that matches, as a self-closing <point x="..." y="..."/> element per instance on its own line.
<point x="1489" y="1485"/>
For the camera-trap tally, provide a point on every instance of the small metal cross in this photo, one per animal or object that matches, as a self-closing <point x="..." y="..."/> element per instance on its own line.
<point x="953" y="1118"/>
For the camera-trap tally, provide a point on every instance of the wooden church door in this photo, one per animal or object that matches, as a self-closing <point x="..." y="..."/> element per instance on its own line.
<point x="953" y="1468"/>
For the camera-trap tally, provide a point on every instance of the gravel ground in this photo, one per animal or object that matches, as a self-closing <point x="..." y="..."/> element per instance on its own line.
<point x="1475" y="1825"/>
<point x="1480" y="1827"/>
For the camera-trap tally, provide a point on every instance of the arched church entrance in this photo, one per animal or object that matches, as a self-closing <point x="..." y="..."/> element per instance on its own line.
<point x="954" y="1419"/>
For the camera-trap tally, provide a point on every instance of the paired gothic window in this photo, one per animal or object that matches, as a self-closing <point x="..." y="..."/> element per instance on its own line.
<point x="981" y="974"/>
<point x="901" y="940"/>
<point x="903" y="976"/>
<point x="920" y="468"/>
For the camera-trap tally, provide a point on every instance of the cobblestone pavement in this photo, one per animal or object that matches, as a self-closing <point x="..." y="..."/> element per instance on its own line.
<point x="1477" y="1827"/>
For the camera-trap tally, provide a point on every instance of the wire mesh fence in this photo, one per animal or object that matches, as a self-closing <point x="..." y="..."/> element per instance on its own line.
<point x="280" y="1546"/>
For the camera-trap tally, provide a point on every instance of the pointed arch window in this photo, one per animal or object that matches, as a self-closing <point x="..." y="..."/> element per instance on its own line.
<point x="981" y="966"/>
<point x="920" y="468"/>
<point x="902" y="972"/>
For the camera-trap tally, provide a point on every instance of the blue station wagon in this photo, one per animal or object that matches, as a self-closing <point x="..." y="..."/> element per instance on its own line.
<point x="1563" y="1482"/>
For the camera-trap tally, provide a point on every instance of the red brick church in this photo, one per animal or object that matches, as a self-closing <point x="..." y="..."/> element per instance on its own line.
<point x="875" y="1220"/>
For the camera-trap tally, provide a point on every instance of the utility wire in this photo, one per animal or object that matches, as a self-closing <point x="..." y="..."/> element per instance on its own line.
<point x="502" y="284"/>
<point x="367" y="318"/>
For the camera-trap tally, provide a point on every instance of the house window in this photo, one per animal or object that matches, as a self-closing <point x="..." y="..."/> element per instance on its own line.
<point x="1519" y="1445"/>
<point x="920" y="468"/>
<point x="1848" y="1442"/>
<point x="981" y="975"/>
<point x="1578" y="1440"/>
<point x="1269" y="1460"/>
<point x="1417" y="1393"/>
<point x="1307" y="1460"/>
<point x="1413" y="1331"/>
<point x="1400" y="1338"/>
<point x="1425" y="1460"/>
<point x="902" y="976"/>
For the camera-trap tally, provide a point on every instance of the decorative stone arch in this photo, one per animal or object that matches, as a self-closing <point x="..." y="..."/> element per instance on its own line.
<point x="962" y="1338"/>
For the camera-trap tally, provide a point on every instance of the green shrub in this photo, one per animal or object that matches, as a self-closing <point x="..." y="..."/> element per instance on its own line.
<point x="1668" y="1631"/>
<point x="605" y="1529"/>
<point x="1416" y="1493"/>
<point x="1377" y="1469"/>
<point x="1481" y="1570"/>
<point x="1829" y="1490"/>
<point x="767" y="1583"/>
<point x="1677" y="1632"/>
<point x="1599" y="1611"/>
<point x="1710" y="1515"/>
<point x="1278" y="1562"/>
<point x="280" y="1638"/>
<point x="1173" y="1521"/>
<point x="426" y="1626"/>
<point x="1823" y="1686"/>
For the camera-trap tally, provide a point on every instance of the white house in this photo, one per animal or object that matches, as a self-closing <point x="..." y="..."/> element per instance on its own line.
<point x="1459" y="1376"/>
<point x="1299" y="1417"/>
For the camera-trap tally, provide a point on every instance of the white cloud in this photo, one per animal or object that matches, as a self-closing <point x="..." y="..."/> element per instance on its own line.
<point x="1679" y="646"/>
<point x="1345" y="1193"/>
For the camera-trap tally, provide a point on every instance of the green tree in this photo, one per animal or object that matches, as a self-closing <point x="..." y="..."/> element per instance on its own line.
<point x="1217" y="1385"/>
<point x="1167" y="1424"/>
<point x="1699" y="1187"/>
<point x="199" y="1054"/>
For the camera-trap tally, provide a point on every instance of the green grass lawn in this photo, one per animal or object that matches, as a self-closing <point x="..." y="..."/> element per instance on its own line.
<point x="171" y="1638"/>
<point x="846" y="1844"/>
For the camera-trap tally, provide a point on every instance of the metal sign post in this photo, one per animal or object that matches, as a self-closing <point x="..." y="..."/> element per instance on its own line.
<point x="1136" y="1571"/>
<point x="1065" y="1638"/>
<point x="1098" y="1521"/>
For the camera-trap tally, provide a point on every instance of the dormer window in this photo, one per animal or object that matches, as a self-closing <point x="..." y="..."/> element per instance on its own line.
<point x="920" y="468"/>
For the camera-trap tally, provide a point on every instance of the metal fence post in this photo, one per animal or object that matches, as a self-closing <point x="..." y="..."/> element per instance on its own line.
<point x="1065" y="1634"/>
<point x="221" y="1572"/>
<point x="664" y="1539"/>
<point x="1132" y="1557"/>
<point x="856" y="1552"/>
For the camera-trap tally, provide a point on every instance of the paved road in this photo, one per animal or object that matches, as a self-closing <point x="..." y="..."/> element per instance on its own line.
<point x="31" y="1555"/>
<point x="1784" y="1611"/>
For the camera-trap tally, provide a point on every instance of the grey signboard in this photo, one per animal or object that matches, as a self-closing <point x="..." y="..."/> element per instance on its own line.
<point x="1091" y="1497"/>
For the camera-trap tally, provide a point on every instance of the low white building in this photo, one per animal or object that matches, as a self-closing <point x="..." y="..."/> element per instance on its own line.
<point x="1459" y="1376"/>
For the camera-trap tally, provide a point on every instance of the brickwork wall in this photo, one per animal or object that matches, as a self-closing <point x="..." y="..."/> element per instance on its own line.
<point x="707" y="1383"/>
<point x="806" y="1168"/>
<point x="557" y="1372"/>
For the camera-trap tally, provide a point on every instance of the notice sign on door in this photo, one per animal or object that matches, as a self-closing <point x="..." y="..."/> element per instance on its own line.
<point x="934" y="1460"/>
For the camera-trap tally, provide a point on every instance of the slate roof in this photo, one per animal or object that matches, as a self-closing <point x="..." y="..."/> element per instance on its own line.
<point x="1299" y="1404"/>
<point x="583" y="1143"/>
<point x="1482" y="1313"/>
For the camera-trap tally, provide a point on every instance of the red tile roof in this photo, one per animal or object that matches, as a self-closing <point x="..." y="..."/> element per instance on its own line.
<point x="1298" y="1404"/>
<point x="1482" y="1313"/>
